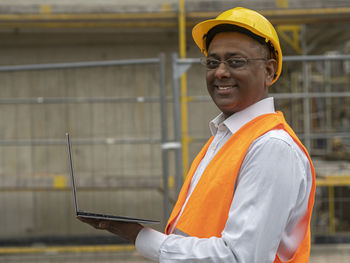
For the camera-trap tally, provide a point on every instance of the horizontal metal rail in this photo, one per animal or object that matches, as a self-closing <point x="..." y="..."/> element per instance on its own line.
<point x="298" y="95"/>
<point x="300" y="136"/>
<point x="57" y="100"/>
<point x="325" y="135"/>
<point x="344" y="181"/>
<point x="77" y="100"/>
<point x="316" y="58"/>
<point x="156" y="17"/>
<point x="17" y="189"/>
<point x="79" y="141"/>
<point x="87" y="64"/>
<point x="66" y="249"/>
<point x="184" y="61"/>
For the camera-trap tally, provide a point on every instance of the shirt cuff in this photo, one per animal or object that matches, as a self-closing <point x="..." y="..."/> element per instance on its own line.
<point x="148" y="243"/>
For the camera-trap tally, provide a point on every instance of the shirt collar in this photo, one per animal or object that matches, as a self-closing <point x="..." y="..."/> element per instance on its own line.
<point x="239" y="119"/>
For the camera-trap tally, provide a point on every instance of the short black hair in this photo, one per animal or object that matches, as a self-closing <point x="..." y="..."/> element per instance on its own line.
<point x="234" y="28"/>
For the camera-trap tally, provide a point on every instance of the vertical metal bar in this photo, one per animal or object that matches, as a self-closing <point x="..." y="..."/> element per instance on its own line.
<point x="182" y="29"/>
<point x="182" y="50"/>
<point x="306" y="89"/>
<point x="184" y="125"/>
<point x="177" y="125"/>
<point x="331" y="209"/>
<point x="328" y="108"/>
<point x="294" y="105"/>
<point x="307" y="113"/>
<point x="164" y="136"/>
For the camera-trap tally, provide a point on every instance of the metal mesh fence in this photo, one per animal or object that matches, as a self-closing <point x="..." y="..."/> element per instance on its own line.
<point x="112" y="111"/>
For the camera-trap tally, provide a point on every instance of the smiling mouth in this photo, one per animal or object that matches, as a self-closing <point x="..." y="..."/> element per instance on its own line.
<point x="225" y="87"/>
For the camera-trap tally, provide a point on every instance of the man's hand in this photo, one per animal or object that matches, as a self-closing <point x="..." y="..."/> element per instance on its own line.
<point x="125" y="230"/>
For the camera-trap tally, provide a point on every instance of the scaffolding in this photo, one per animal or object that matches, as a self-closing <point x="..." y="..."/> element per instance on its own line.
<point x="310" y="93"/>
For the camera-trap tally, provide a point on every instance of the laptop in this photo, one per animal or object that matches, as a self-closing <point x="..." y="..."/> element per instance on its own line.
<point x="96" y="215"/>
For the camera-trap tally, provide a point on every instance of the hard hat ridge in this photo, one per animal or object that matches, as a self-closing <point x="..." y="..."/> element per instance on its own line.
<point x="232" y="28"/>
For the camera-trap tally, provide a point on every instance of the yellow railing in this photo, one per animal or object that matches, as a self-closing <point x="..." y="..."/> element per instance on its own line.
<point x="66" y="249"/>
<point x="332" y="181"/>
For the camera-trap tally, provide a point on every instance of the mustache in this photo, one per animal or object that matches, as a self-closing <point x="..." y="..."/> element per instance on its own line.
<point x="224" y="84"/>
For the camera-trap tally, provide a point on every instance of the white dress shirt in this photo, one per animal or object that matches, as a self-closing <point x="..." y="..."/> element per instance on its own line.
<point x="270" y="199"/>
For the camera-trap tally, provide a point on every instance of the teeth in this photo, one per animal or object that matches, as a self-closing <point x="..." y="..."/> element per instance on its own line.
<point x="224" y="88"/>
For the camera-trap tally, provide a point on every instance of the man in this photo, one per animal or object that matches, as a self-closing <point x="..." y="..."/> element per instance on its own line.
<point x="249" y="194"/>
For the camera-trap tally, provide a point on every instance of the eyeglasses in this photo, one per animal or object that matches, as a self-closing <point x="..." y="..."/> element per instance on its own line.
<point x="233" y="63"/>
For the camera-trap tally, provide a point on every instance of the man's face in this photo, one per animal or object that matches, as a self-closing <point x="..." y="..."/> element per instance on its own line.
<point x="233" y="90"/>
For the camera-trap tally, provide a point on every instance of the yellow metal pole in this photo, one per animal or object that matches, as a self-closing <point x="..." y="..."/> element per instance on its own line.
<point x="331" y="209"/>
<point x="183" y="86"/>
<point x="282" y="3"/>
<point x="66" y="249"/>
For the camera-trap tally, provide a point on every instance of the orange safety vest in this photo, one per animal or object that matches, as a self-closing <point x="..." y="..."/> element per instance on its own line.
<point x="207" y="210"/>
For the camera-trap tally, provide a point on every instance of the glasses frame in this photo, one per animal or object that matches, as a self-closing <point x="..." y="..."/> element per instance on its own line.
<point x="204" y="62"/>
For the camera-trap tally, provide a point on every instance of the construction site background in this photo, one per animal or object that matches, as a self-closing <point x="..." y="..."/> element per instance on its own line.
<point x="111" y="74"/>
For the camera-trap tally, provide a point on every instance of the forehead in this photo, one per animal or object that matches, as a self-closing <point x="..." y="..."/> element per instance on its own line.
<point x="234" y="43"/>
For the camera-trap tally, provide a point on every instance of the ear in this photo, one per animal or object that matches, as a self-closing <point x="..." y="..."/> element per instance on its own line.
<point x="270" y="70"/>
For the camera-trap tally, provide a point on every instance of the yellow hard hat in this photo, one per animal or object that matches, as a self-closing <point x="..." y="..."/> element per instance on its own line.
<point x="245" y="18"/>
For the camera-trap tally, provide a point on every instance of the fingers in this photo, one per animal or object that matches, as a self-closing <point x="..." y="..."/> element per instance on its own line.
<point x="129" y="231"/>
<point x="103" y="225"/>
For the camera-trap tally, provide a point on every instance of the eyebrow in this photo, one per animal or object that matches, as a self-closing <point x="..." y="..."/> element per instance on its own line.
<point x="227" y="55"/>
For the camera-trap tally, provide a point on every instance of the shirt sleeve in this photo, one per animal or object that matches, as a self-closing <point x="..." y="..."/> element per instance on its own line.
<point x="265" y="197"/>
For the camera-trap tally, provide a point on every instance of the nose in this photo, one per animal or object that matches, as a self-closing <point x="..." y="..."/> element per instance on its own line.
<point x="222" y="71"/>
